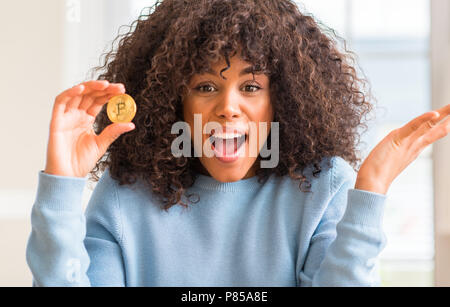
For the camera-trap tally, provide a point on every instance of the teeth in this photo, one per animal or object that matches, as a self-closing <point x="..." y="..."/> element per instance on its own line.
<point x="227" y="136"/>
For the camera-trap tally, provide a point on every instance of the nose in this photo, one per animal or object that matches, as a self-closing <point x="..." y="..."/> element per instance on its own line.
<point x="229" y="108"/>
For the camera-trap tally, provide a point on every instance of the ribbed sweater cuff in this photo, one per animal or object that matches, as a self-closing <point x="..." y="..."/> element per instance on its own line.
<point x="59" y="192"/>
<point x="365" y="208"/>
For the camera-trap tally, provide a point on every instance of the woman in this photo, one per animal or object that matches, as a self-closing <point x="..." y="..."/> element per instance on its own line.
<point x="228" y="219"/>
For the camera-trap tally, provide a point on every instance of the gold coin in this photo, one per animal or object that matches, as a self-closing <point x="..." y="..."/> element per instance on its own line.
<point x="121" y="109"/>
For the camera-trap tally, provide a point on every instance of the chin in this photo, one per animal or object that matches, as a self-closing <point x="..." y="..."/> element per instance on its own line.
<point x="227" y="172"/>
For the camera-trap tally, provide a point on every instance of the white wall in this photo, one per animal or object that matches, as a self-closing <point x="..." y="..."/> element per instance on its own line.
<point x="30" y="61"/>
<point x="31" y="74"/>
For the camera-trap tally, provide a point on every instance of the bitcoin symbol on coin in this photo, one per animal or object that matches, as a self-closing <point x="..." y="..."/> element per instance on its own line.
<point x="120" y="106"/>
<point x="121" y="109"/>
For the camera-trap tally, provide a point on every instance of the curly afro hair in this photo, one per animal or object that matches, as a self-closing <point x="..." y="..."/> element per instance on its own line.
<point x="317" y="97"/>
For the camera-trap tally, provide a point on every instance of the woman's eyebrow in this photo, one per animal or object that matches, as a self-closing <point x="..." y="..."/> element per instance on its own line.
<point x="245" y="71"/>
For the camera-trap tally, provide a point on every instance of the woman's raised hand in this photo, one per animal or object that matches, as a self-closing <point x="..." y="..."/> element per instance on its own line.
<point x="401" y="147"/>
<point x="73" y="147"/>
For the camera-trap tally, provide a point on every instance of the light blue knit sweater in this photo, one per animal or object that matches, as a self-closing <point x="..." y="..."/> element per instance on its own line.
<point x="239" y="234"/>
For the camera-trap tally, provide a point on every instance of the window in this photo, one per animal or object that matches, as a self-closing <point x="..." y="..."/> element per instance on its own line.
<point x="391" y="40"/>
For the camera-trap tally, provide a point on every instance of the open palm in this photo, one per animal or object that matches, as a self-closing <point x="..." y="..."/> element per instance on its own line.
<point x="400" y="148"/>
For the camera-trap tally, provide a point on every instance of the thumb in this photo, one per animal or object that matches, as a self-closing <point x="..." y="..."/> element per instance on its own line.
<point x="111" y="133"/>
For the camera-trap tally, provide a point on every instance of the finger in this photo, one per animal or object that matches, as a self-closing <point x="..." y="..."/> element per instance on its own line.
<point x="430" y="124"/>
<point x="444" y="112"/>
<point x="98" y="104"/>
<point x="115" y="89"/>
<point x="436" y="133"/>
<point x="111" y="133"/>
<point x="95" y="85"/>
<point x="426" y="125"/>
<point x="89" y="87"/>
<point x="73" y="103"/>
<point x="85" y="99"/>
<point x="414" y="125"/>
<point x="62" y="99"/>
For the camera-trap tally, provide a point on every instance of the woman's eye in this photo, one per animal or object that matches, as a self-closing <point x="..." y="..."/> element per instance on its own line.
<point x="252" y="88"/>
<point x="205" y="88"/>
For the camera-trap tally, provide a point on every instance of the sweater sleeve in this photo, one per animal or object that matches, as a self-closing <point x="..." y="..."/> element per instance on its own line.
<point x="67" y="247"/>
<point x="345" y="246"/>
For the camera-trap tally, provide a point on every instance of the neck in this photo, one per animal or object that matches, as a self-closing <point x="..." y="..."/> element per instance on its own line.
<point x="198" y="167"/>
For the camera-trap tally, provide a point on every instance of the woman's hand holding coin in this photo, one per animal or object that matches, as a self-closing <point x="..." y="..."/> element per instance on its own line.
<point x="74" y="148"/>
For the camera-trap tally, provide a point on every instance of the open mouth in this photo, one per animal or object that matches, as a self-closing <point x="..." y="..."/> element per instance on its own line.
<point x="227" y="145"/>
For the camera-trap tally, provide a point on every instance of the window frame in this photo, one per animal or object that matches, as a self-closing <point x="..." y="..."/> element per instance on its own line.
<point x="440" y="75"/>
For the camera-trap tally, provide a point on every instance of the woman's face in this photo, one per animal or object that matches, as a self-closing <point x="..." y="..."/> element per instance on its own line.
<point x="233" y="104"/>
